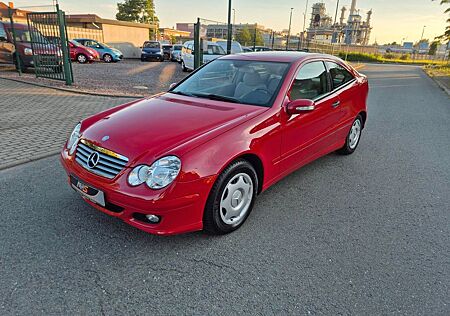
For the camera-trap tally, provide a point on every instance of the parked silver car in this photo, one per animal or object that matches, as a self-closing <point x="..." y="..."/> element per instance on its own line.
<point x="176" y="53"/>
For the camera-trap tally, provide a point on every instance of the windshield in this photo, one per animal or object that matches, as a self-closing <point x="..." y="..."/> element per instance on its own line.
<point x="24" y="36"/>
<point x="237" y="81"/>
<point x="152" y="45"/>
<point x="177" y="47"/>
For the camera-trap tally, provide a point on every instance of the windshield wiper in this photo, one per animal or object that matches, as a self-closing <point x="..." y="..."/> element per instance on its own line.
<point x="182" y="93"/>
<point x="217" y="97"/>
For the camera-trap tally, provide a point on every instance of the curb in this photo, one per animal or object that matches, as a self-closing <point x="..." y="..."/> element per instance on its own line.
<point x="27" y="160"/>
<point x="75" y="91"/>
<point x="440" y="84"/>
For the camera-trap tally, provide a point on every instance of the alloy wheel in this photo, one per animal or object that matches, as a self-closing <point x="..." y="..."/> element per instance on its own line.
<point x="236" y="199"/>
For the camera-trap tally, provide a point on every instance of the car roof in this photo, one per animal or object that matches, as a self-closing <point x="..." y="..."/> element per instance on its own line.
<point x="19" y="26"/>
<point x="278" y="56"/>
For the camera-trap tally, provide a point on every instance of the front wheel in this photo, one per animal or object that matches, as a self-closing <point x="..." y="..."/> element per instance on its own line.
<point x="183" y="66"/>
<point x="82" y="59"/>
<point x="107" y="58"/>
<point x="353" y="137"/>
<point x="231" y="199"/>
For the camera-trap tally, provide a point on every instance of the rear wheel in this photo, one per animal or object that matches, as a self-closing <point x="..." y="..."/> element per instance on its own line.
<point x="231" y="199"/>
<point x="353" y="137"/>
<point x="107" y="58"/>
<point x="82" y="59"/>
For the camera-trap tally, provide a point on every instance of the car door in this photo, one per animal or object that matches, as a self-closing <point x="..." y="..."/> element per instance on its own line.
<point x="189" y="56"/>
<point x="307" y="135"/>
<point x="72" y="51"/>
<point x="213" y="52"/>
<point x="343" y="85"/>
<point x="6" y="48"/>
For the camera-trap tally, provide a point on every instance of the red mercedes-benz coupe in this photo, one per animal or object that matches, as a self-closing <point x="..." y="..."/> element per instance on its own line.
<point x="197" y="156"/>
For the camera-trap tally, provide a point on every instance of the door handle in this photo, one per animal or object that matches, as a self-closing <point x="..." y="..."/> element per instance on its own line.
<point x="336" y="104"/>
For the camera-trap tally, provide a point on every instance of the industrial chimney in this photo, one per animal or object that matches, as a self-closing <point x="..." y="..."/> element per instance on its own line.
<point x="343" y="15"/>
<point x="353" y="7"/>
<point x="369" y="15"/>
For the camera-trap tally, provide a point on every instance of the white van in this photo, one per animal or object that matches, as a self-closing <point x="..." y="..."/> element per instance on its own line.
<point x="236" y="48"/>
<point x="187" y="54"/>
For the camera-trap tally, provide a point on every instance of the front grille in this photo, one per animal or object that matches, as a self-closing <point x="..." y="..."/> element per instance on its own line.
<point x="109" y="163"/>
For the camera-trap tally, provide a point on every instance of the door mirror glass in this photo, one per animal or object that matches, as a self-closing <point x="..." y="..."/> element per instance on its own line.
<point x="300" y="106"/>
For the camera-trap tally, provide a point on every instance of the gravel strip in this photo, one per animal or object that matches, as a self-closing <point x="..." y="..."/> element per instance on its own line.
<point x="128" y="77"/>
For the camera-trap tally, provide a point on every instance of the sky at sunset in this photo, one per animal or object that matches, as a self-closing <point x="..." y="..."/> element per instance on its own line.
<point x="393" y="20"/>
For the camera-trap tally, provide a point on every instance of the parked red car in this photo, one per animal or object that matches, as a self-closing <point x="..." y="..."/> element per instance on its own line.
<point x="81" y="53"/>
<point x="197" y="156"/>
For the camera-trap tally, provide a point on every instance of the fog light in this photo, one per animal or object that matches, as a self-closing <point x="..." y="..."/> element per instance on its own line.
<point x="154" y="219"/>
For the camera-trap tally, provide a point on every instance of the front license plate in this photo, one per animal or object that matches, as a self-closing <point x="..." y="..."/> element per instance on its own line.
<point x="87" y="191"/>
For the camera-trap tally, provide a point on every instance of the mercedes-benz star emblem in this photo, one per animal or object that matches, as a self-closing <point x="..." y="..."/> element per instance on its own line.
<point x="105" y="138"/>
<point x="93" y="160"/>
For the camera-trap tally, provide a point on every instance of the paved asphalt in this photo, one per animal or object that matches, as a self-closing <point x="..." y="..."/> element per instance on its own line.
<point x="367" y="234"/>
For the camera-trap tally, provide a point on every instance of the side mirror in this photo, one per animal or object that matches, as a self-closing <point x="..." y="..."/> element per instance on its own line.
<point x="300" y="106"/>
<point x="172" y="85"/>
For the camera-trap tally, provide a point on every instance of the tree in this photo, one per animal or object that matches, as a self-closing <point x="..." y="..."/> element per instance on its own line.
<point x="446" y="36"/>
<point x="433" y="48"/>
<point x="141" y="11"/>
<point x="244" y="36"/>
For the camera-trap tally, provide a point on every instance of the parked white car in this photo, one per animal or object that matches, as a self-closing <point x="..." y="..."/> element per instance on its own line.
<point x="236" y="48"/>
<point x="212" y="52"/>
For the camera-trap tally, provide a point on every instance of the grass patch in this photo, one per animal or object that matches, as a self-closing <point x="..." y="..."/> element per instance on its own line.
<point x="389" y="58"/>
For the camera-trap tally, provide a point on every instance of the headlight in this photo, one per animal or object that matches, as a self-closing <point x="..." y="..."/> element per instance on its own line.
<point x="28" y="51"/>
<point x="159" y="175"/>
<point x="73" y="138"/>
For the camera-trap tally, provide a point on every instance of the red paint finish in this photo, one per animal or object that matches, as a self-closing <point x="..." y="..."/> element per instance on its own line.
<point x="207" y="135"/>
<point x="76" y="49"/>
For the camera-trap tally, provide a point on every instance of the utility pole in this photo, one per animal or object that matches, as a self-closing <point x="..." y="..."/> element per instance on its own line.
<point x="304" y="22"/>
<point x="335" y="36"/>
<point x="304" y="17"/>
<point x="289" y="30"/>
<point x="233" y="27"/>
<point x="230" y="29"/>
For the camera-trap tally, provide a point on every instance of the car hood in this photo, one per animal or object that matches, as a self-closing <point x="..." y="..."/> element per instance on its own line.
<point x="166" y="124"/>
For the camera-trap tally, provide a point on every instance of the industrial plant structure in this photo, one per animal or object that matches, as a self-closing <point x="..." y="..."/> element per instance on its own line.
<point x="351" y="31"/>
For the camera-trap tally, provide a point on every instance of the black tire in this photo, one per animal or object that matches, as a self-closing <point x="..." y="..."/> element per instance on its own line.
<point x="22" y="65"/>
<point x="107" y="58"/>
<point x="348" y="148"/>
<point x="212" y="220"/>
<point x="183" y="66"/>
<point x="82" y="58"/>
<point x="143" y="59"/>
<point x="162" y="59"/>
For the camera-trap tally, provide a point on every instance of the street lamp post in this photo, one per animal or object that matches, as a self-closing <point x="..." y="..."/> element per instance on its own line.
<point x="304" y="22"/>
<point x="233" y="27"/>
<point x="289" y="30"/>
<point x="230" y="29"/>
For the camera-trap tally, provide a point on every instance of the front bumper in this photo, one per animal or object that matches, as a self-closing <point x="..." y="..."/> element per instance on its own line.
<point x="149" y="56"/>
<point x="180" y="205"/>
<point x="117" y="57"/>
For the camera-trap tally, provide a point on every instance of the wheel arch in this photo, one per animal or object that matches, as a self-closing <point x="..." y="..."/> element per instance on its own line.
<point x="364" y="117"/>
<point x="255" y="161"/>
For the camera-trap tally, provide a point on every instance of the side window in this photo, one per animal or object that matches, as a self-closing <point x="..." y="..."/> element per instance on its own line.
<point x="2" y="31"/>
<point x="310" y="82"/>
<point x="339" y="75"/>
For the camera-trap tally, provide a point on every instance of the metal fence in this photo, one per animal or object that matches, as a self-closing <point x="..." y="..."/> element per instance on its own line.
<point x="49" y="42"/>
